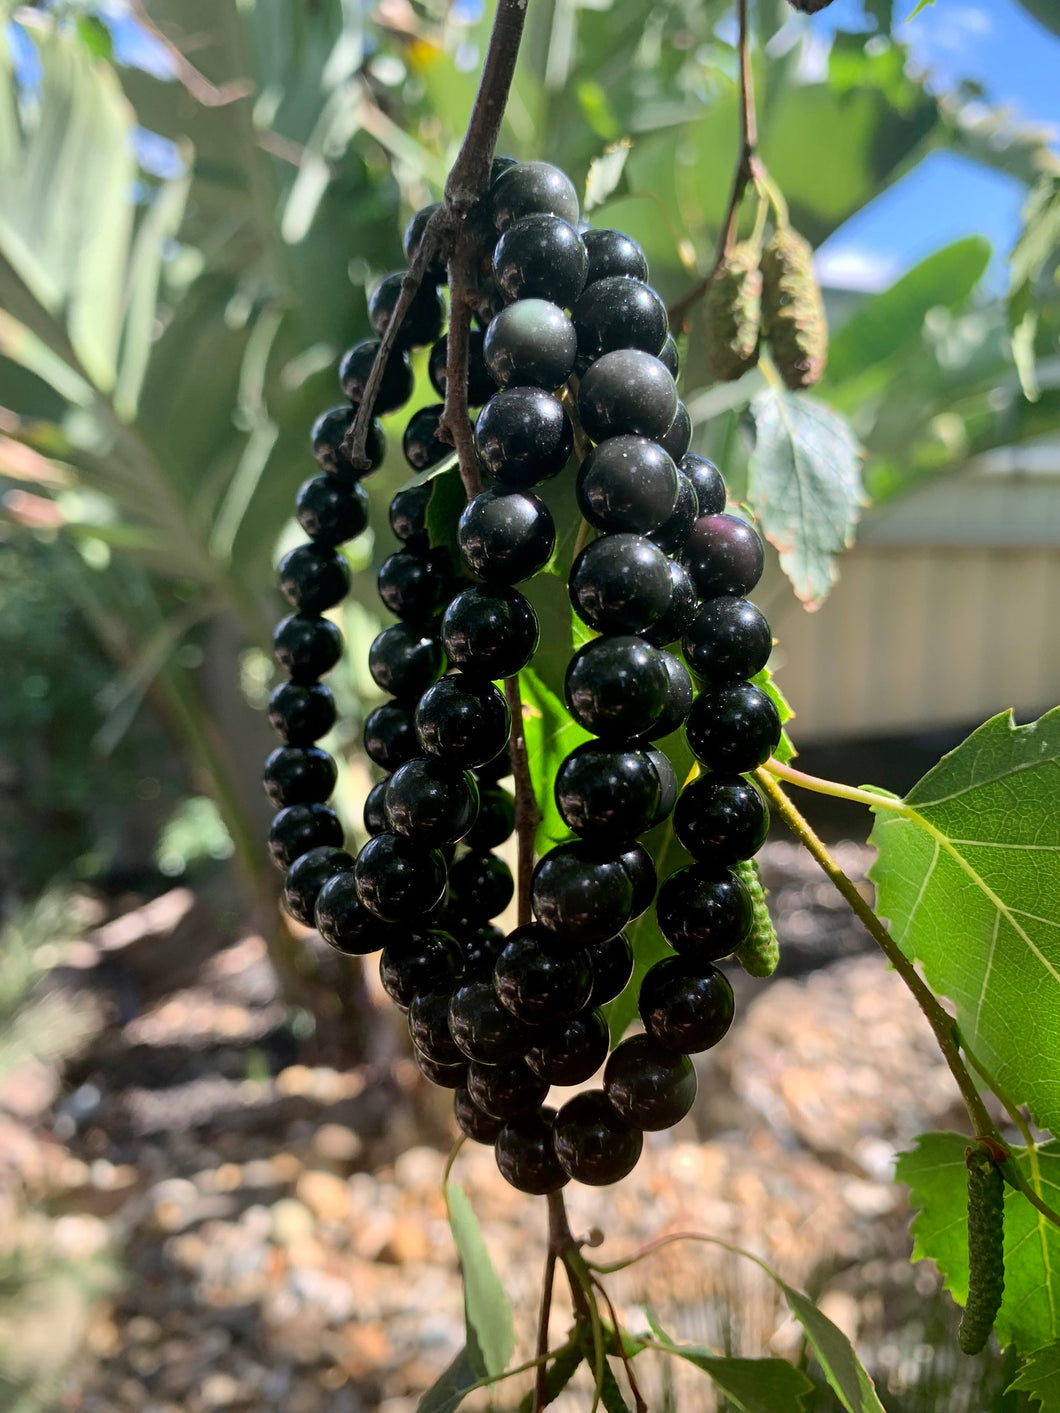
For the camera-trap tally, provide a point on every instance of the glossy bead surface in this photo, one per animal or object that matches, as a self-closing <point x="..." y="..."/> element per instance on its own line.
<point x="298" y="775"/>
<point x="647" y="1085"/>
<point x="420" y="442"/>
<point x="541" y="257"/>
<point x="610" y="253"/>
<point x="734" y="728"/>
<point x="430" y="802"/>
<point x="620" y="583"/>
<point x="608" y="794"/>
<point x="445" y="1076"/>
<point x="539" y="981"/>
<point x="728" y="640"/>
<point x="581" y="894"/>
<point x="328" y="434"/>
<point x="429" y="1026"/>
<point x="525" y="1155"/>
<point x="627" y="483"/>
<point x="398" y="880"/>
<point x="703" y="912"/>
<point x="498" y="767"/>
<point x="669" y="357"/>
<point x="374" y="813"/>
<point x="724" y="555"/>
<point x="480" y="386"/>
<point x="626" y="393"/>
<point x="668" y="788"/>
<point x="408" y="515"/>
<point x="505" y="536"/>
<point x="506" y="1091"/>
<point x="418" y="961"/>
<point x="463" y="720"/>
<point x="618" y="312"/>
<point x="531" y="343"/>
<point x="679" y="697"/>
<point x="404" y="660"/>
<point x="524" y="436"/>
<point x="685" y="1008"/>
<point x="490" y="631"/>
<point x="672" y="535"/>
<point x="496" y="820"/>
<point x="528" y="188"/>
<point x="299" y="828"/>
<point x="708" y="482"/>
<point x="471" y="1120"/>
<point x="422" y="322"/>
<point x="331" y="512"/>
<point x="313" y="578"/>
<point x="482" y="946"/>
<point x="640" y="869"/>
<point x="572" y="1052"/>
<point x="344" y="922"/>
<point x="678" y="435"/>
<point x="482" y="1028"/>
<point x="616" y="687"/>
<point x="593" y="1144"/>
<point x="480" y="886"/>
<point x="389" y="736"/>
<point x="398" y="381"/>
<point x="612" y="963"/>
<point x="301" y="712"/>
<point x="307" y="876"/>
<point x="415" y="587"/>
<point x="679" y="612"/>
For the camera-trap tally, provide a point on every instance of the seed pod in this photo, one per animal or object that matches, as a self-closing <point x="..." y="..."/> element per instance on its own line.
<point x="760" y="954"/>
<point x="732" y="312"/>
<point x="986" y="1250"/>
<point x="793" y="318"/>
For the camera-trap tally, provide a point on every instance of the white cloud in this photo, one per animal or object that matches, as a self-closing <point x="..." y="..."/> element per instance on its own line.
<point x="853" y="267"/>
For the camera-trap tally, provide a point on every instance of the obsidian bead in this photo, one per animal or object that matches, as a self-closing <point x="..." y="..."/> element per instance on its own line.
<point x="678" y="436"/>
<point x="374" y="812"/>
<point x="421" y="444"/>
<point x="389" y="736"/>
<point x="627" y="483"/>
<point x="490" y="631"/>
<point x="307" y="876"/>
<point x="681" y="609"/>
<point x="581" y="893"/>
<point x="727" y="641"/>
<point x="331" y="512"/>
<point x="531" y="343"/>
<point x="408" y="515"/>
<point x="445" y="1076"/>
<point x="424" y="319"/>
<point x="500" y="165"/>
<point x="672" y="535"/>
<point x="626" y="393"/>
<point x="480" y="385"/>
<point x="399" y="880"/>
<point x="482" y="946"/>
<point x="619" y="313"/>
<point x="429" y="1026"/>
<point x="417" y="961"/>
<point x="506" y="536"/>
<point x="685" y="1008"/>
<point x="525" y="1154"/>
<point x="524" y="436"/>
<point x="724" y="555"/>
<point x="498" y="767"/>
<point x="313" y="578"/>
<point x="616" y="687"/>
<point x="301" y="713"/>
<point x="708" y="482"/>
<point x="299" y="775"/>
<point x="415" y="587"/>
<point x="299" y="828"/>
<point x="463" y="720"/>
<point x="430" y="802"/>
<point x="593" y="1144"/>
<point x="471" y="1120"/>
<point x="482" y="1028"/>
<point x="328" y="434"/>
<point x="703" y="912"/>
<point x="669" y="357"/>
<point x="612" y="963"/>
<point x="496" y="820"/>
<point x="413" y="238"/>
<point x="487" y="300"/>
<point x="607" y="794"/>
<point x="541" y="257"/>
<point x="667" y="784"/>
<point x="507" y="1090"/>
<point x="539" y="980"/>
<point x="398" y="379"/>
<point x="679" y="697"/>
<point x="640" y="867"/>
<point x="344" y="922"/>
<point x="530" y="188"/>
<point x="571" y="1052"/>
<point x="610" y="254"/>
<point x="647" y="1085"/>
<point x="404" y="660"/>
<point x="735" y="727"/>
<point x="620" y="583"/>
<point x="480" y="887"/>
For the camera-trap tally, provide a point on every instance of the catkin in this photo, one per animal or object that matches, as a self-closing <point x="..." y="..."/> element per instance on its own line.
<point x="760" y="953"/>
<point x="793" y="317"/>
<point x="986" y="1250"/>
<point x="732" y="314"/>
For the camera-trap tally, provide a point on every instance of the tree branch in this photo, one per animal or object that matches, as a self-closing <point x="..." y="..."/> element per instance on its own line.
<point x="469" y="179"/>
<point x="455" y="426"/>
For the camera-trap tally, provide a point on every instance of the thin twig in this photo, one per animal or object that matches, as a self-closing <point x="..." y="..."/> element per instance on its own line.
<point x="634" y="1387"/>
<point x="527" y="815"/>
<point x="541" y="1383"/>
<point x="208" y="94"/>
<point x="455" y="425"/>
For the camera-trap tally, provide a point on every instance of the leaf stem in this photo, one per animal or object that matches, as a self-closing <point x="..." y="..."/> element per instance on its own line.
<point x="834" y="788"/>
<point x="634" y="1387"/>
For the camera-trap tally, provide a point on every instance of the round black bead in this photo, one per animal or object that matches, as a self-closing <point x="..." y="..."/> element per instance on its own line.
<point x="727" y="641"/>
<point x="541" y="257"/>
<point x="471" y="1120"/>
<point x="647" y="1085"/>
<point x="480" y="386"/>
<point x="404" y="660"/>
<point x="420" y="442"/>
<point x="398" y="379"/>
<point x="422" y="322"/>
<point x="506" y="536"/>
<point x="490" y="631"/>
<point x="463" y="720"/>
<point x="616" y="687"/>
<point x="313" y="578"/>
<point x="593" y="1144"/>
<point x="482" y="946"/>
<point x="389" y="736"/>
<point x="398" y="880"/>
<point x="525" y="1155"/>
<point x="673" y="533"/>
<point x="496" y="820"/>
<point x="307" y="876"/>
<point x="416" y="961"/>
<point x="572" y="1052"/>
<point x="430" y="802"/>
<point x="299" y="828"/>
<point x="480" y="887"/>
<point x="344" y="922"/>
<point x="540" y="981"/>
<point x="429" y="1026"/>
<point x="581" y="894"/>
<point x="482" y="1028"/>
<point x="619" y="313"/>
<point x="610" y="253"/>
<point x="413" y="239"/>
<point x="724" y="555"/>
<point x="328" y="434"/>
<point x="680" y="611"/>
<point x="331" y="512"/>
<point x="627" y="483"/>
<point x="612" y="963"/>
<point x="531" y="343"/>
<point x="445" y="1076"/>
<point x="640" y="866"/>
<point x="627" y="393"/>
<point x="620" y="583"/>
<point x="505" y="1091"/>
<point x="678" y="436"/>
<point x="607" y="794"/>
<point x="708" y="482"/>
<point x="685" y="1008"/>
<point x="669" y="357"/>
<point x="667" y="778"/>
<point x="679" y="697"/>
<point x="299" y="775"/>
<point x="735" y="727"/>
<point x="301" y="712"/>
<point x="524" y="436"/>
<point x="703" y="912"/>
<point x="498" y="767"/>
<point x="415" y="587"/>
<point x="374" y="812"/>
<point x="408" y="515"/>
<point x="529" y="188"/>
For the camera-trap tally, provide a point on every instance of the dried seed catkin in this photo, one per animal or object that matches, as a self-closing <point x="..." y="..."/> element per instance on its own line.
<point x="793" y="317"/>
<point x="760" y="952"/>
<point x="732" y="314"/>
<point x="986" y="1250"/>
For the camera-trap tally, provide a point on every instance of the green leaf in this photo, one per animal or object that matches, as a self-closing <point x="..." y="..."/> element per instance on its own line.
<point x="753" y="1385"/>
<point x="451" y="1388"/>
<point x="1040" y="1377"/>
<point x="891" y="321"/>
<point x="764" y="679"/>
<point x="558" y="1376"/>
<point x="1044" y="11"/>
<point x="487" y="1309"/>
<point x="1037" y="247"/>
<point x="551" y="734"/>
<point x="922" y="5"/>
<point x="448" y="499"/>
<point x="804" y="482"/>
<point x="605" y="173"/>
<point x="968" y="875"/>
<point x="937" y="1177"/>
<point x="610" y="1394"/>
<point x="835" y="1354"/>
